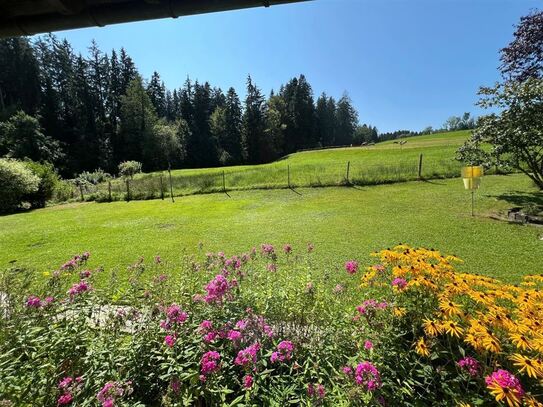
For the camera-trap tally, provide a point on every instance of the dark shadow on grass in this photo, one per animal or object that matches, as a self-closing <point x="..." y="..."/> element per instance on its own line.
<point x="428" y="181"/>
<point x="296" y="192"/>
<point x="521" y="198"/>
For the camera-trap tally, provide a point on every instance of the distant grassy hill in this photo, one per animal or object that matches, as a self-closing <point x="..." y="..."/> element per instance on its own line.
<point x="380" y="163"/>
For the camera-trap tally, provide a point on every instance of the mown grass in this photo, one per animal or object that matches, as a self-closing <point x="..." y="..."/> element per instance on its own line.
<point x="344" y="223"/>
<point x="369" y="165"/>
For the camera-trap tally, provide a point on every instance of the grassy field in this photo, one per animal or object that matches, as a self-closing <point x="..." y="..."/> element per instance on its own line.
<point x="342" y="222"/>
<point x="381" y="163"/>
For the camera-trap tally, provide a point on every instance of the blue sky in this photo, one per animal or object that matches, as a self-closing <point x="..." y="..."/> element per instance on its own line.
<point x="406" y="64"/>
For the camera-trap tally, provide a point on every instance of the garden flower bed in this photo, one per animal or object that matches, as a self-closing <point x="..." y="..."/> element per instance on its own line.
<point x="271" y="327"/>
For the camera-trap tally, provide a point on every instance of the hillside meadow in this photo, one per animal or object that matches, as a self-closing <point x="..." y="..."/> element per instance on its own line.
<point x="385" y="162"/>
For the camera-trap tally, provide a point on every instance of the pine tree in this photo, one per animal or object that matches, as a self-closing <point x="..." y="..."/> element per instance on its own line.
<point x="254" y="124"/>
<point x="138" y="118"/>
<point x="157" y="94"/>
<point x="347" y="121"/>
<point x="300" y="117"/>
<point x="19" y="77"/>
<point x="326" y="120"/>
<point x="201" y="149"/>
<point x="233" y="140"/>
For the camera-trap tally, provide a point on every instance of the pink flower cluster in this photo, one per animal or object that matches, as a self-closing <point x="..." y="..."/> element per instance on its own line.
<point x="210" y="363"/>
<point x="470" y="365"/>
<point x="283" y="353"/>
<point x="216" y="289"/>
<point x="370" y="306"/>
<point x="399" y="283"/>
<point x="505" y="380"/>
<point x="69" y="387"/>
<point x="112" y="391"/>
<point x="267" y="249"/>
<point x="75" y="261"/>
<point x="351" y="266"/>
<point x="247" y="357"/>
<point x="365" y="374"/>
<point x="35" y="302"/>
<point x="79" y="288"/>
<point x="287" y="249"/>
<point x="248" y="381"/>
<point x="316" y="391"/>
<point x="174" y="316"/>
<point x="170" y="340"/>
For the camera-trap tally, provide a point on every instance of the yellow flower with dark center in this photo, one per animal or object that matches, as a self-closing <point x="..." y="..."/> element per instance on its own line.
<point x="532" y="367"/>
<point x="399" y="311"/>
<point x="491" y="343"/>
<point x="422" y="348"/>
<point x="512" y="397"/>
<point x="532" y="402"/>
<point x="450" y="308"/>
<point x="520" y="341"/>
<point x="431" y="327"/>
<point x="452" y="328"/>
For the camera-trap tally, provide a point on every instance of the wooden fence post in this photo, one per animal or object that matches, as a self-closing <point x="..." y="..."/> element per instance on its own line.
<point x="288" y="175"/>
<point x="171" y="185"/>
<point x="161" y="188"/>
<point x="109" y="189"/>
<point x="127" y="190"/>
<point x="81" y="190"/>
<point x="223" y="183"/>
<point x="420" y="166"/>
<point x="348" y="168"/>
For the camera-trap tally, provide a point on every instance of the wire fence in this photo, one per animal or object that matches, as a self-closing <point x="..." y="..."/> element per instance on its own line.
<point x="273" y="176"/>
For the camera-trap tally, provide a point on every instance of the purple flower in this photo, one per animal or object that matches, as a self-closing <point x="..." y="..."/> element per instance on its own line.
<point x="33" y="302"/>
<point x="399" y="283"/>
<point x="283" y="353"/>
<point x="248" y="381"/>
<point x="170" y="340"/>
<point x="216" y="289"/>
<point x="65" y="399"/>
<point x="210" y="363"/>
<point x="367" y="375"/>
<point x="368" y="345"/>
<point x="351" y="267"/>
<point x="79" y="288"/>
<point x="267" y="249"/>
<point x="234" y="336"/>
<point x="470" y="365"/>
<point x="246" y="357"/>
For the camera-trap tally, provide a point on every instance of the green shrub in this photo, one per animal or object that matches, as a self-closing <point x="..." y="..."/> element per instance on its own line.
<point x="16" y="182"/>
<point x="128" y="169"/>
<point x="48" y="183"/>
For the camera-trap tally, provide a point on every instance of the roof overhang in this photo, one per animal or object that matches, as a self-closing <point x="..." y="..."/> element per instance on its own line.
<point x="28" y="17"/>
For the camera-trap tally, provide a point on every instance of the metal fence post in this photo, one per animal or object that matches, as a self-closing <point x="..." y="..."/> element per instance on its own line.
<point x="420" y="166"/>
<point x="348" y="168"/>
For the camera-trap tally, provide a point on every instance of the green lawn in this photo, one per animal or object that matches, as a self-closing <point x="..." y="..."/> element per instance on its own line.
<point x="342" y="222"/>
<point x="381" y="163"/>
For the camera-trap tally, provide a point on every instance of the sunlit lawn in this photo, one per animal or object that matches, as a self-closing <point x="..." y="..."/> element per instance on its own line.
<point x="342" y="222"/>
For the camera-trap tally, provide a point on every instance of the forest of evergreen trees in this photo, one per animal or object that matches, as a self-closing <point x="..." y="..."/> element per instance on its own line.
<point x="87" y="112"/>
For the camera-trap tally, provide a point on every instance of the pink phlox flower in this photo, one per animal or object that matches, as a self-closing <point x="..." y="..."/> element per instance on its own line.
<point x="248" y="381"/>
<point x="470" y="365"/>
<point x="170" y="340"/>
<point x="368" y="345"/>
<point x="505" y="380"/>
<point x="283" y="353"/>
<point x="210" y="362"/>
<point x="399" y="283"/>
<point x="367" y="375"/>
<point x="247" y="357"/>
<point x="79" y="288"/>
<point x="33" y="302"/>
<point x="351" y="267"/>
<point x="287" y="248"/>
